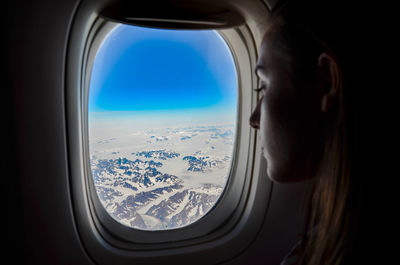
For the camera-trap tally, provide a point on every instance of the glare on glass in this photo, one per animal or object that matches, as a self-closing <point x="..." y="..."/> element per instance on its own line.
<point x="162" y="112"/>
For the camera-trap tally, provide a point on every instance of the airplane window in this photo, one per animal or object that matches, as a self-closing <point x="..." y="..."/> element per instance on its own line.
<point x="162" y="111"/>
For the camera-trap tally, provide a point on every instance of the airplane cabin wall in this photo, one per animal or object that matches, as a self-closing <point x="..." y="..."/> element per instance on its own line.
<point x="41" y="222"/>
<point x="38" y="41"/>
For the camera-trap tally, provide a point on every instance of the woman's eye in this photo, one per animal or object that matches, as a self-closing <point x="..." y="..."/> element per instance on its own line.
<point x="261" y="86"/>
<point x="259" y="89"/>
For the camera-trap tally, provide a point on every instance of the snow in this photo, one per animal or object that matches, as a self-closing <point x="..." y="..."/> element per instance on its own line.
<point x="212" y="141"/>
<point x="193" y="212"/>
<point x="151" y="221"/>
<point x="181" y="206"/>
<point x="161" y="198"/>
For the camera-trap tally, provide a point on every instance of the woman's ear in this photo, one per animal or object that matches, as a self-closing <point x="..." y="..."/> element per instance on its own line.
<point x="329" y="74"/>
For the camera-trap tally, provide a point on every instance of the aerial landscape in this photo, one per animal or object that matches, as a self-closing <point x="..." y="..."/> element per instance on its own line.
<point x="162" y="179"/>
<point x="162" y="112"/>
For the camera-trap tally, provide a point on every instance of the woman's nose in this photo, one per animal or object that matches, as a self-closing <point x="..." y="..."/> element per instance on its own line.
<point x="255" y="116"/>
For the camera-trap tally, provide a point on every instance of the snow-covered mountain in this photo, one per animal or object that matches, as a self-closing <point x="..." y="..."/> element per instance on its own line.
<point x="153" y="189"/>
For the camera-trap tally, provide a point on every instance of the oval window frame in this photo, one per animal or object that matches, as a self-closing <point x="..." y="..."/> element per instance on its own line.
<point x="229" y="199"/>
<point x="104" y="243"/>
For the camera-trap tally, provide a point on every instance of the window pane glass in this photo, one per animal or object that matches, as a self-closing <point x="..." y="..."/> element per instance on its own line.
<point x="162" y="122"/>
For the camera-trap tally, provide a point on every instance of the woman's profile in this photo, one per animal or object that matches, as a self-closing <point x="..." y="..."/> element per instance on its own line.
<point x="304" y="126"/>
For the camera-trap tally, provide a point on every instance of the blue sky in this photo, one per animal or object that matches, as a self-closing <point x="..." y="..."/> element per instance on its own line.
<point x="147" y="70"/>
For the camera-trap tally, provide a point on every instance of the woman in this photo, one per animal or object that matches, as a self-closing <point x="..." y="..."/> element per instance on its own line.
<point x="304" y="126"/>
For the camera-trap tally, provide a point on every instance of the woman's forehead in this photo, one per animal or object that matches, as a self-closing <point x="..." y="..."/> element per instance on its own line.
<point x="266" y="51"/>
<point x="274" y="47"/>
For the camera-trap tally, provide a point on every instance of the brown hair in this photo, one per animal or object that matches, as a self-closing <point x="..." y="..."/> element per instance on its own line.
<point x="303" y="30"/>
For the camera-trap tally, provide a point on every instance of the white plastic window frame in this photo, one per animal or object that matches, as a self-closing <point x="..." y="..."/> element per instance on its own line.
<point x="228" y="200"/>
<point x="232" y="224"/>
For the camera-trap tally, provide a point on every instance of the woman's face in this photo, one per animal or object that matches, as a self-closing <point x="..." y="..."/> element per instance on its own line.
<point x="288" y="116"/>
